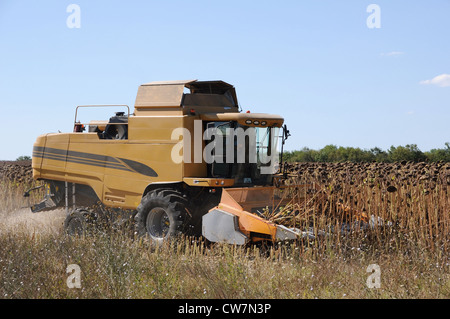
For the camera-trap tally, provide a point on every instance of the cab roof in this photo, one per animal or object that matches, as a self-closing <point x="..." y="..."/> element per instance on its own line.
<point x="172" y="94"/>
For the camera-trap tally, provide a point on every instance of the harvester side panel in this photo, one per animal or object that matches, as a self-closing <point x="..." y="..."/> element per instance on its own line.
<point x="118" y="170"/>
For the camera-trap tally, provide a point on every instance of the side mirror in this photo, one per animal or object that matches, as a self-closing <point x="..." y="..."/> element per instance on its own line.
<point x="286" y="133"/>
<point x="284" y="137"/>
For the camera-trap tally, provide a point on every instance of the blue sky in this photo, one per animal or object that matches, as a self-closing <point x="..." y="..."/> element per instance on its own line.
<point x="317" y="63"/>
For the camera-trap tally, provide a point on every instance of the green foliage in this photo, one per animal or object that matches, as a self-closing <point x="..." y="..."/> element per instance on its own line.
<point x="23" y="158"/>
<point x="406" y="153"/>
<point x="304" y="155"/>
<point x="333" y="153"/>
<point x="436" y="155"/>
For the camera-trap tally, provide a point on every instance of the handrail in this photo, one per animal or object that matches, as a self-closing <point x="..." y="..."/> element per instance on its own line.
<point x="100" y="105"/>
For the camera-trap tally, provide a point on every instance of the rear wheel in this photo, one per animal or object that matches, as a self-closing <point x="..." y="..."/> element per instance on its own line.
<point x="161" y="215"/>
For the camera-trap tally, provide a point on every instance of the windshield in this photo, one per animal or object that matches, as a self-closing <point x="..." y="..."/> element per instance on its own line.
<point x="247" y="154"/>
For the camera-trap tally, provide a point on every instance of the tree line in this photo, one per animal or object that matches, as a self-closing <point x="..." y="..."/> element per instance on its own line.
<point x="333" y="153"/>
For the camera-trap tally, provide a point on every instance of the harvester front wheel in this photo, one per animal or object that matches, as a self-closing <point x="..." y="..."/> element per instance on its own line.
<point x="78" y="222"/>
<point x="161" y="215"/>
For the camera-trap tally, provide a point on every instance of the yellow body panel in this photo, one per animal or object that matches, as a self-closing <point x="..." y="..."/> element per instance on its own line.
<point x="83" y="158"/>
<point x="209" y="182"/>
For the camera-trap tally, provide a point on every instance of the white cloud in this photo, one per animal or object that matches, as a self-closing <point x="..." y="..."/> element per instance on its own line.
<point x="442" y="80"/>
<point x="393" y="53"/>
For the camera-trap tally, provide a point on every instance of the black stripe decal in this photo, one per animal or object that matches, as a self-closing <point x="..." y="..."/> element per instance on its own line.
<point x="139" y="167"/>
<point x="93" y="160"/>
<point x="79" y="160"/>
<point x="90" y="156"/>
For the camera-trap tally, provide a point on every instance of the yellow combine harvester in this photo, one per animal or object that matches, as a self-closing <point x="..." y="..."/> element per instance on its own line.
<point x="186" y="160"/>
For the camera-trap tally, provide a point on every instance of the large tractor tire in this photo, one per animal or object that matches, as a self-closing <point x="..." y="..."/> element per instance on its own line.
<point x="161" y="215"/>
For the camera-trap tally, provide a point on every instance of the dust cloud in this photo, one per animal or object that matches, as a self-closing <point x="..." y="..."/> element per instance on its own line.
<point x="23" y="220"/>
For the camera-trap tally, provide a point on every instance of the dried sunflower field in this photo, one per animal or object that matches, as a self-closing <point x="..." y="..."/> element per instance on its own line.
<point x="410" y="202"/>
